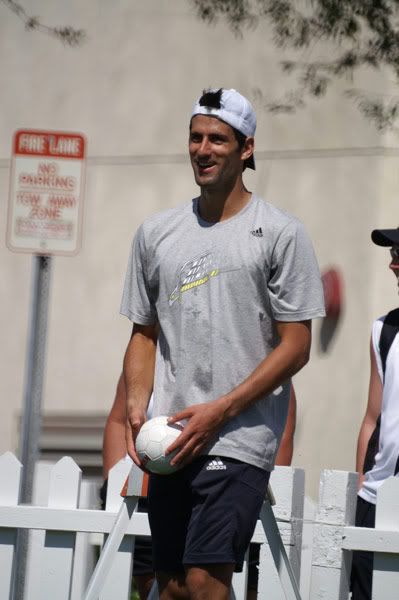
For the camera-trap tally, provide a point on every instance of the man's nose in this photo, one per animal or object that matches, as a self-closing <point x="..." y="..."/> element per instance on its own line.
<point x="204" y="148"/>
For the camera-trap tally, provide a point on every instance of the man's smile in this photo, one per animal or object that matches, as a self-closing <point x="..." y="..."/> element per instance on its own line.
<point x="205" y="167"/>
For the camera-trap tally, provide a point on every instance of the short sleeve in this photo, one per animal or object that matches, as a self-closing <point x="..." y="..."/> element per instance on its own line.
<point x="136" y="298"/>
<point x="295" y="288"/>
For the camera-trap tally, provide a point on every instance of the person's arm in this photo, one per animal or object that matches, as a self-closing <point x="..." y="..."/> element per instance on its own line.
<point x="114" y="440"/>
<point x="205" y="420"/>
<point x="286" y="448"/>
<point x="372" y="413"/>
<point x="138" y="373"/>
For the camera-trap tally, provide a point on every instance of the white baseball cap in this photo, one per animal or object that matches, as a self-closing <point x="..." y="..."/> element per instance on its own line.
<point x="232" y="108"/>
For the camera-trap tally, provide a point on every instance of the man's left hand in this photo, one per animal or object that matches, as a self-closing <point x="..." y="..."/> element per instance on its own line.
<point x="204" y="422"/>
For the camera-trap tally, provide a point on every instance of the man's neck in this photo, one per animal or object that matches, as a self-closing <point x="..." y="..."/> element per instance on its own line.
<point x="219" y="205"/>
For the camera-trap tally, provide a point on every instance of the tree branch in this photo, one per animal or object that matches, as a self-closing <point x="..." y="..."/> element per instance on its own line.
<point x="68" y="35"/>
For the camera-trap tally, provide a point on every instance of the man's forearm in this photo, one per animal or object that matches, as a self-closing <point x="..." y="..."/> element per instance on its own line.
<point x="138" y="367"/>
<point x="281" y="364"/>
<point x="286" y="449"/>
<point x="205" y="420"/>
<point x="114" y="445"/>
<point x="138" y="372"/>
<point x="114" y="442"/>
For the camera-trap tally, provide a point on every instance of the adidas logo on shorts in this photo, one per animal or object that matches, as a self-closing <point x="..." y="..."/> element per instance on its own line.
<point x="216" y="465"/>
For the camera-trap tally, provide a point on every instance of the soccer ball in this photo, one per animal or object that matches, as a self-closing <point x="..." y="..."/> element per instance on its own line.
<point x="154" y="437"/>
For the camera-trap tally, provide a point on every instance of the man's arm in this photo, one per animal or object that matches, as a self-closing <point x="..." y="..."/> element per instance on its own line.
<point x="286" y="448"/>
<point x="205" y="420"/>
<point x="138" y="373"/>
<point x="114" y="440"/>
<point x="370" y="418"/>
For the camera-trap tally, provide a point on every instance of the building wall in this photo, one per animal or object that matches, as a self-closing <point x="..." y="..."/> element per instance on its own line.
<point x="129" y="88"/>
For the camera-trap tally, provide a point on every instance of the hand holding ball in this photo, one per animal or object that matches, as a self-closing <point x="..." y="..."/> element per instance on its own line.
<point x="154" y="437"/>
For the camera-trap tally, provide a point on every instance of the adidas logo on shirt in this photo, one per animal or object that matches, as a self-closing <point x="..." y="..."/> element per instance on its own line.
<point x="257" y="232"/>
<point x="216" y="465"/>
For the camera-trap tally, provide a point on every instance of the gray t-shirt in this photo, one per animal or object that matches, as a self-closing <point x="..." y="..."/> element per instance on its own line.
<point x="217" y="290"/>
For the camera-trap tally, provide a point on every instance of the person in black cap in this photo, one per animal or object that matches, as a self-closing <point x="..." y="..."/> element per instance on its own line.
<point x="378" y="443"/>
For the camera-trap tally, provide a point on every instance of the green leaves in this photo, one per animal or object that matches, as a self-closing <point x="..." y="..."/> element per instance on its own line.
<point x="355" y="33"/>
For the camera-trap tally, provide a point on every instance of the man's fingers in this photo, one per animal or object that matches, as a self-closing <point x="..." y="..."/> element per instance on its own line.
<point x="194" y="453"/>
<point x="185" y="454"/>
<point x="133" y="455"/>
<point x="131" y="434"/>
<point x="180" y="441"/>
<point x="183" y="440"/>
<point x="131" y="449"/>
<point x="180" y="416"/>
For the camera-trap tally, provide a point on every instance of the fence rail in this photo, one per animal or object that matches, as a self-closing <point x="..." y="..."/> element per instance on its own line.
<point x="65" y="526"/>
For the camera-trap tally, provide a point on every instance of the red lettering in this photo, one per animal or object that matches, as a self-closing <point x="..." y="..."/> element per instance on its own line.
<point x="32" y="143"/>
<point x="47" y="169"/>
<point x="28" y="199"/>
<point x="45" y="212"/>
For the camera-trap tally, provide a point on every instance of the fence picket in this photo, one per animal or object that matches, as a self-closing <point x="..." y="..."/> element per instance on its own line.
<point x="288" y="487"/>
<point x="37" y="536"/>
<point x="330" y="564"/>
<point x="58" y="548"/>
<point x="85" y="552"/>
<point x="10" y="477"/>
<point x="119" y="579"/>
<point x="386" y="565"/>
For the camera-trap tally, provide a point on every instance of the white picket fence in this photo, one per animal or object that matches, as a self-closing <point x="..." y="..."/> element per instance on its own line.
<point x="66" y="527"/>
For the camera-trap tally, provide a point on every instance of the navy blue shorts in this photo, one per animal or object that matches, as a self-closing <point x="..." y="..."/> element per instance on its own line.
<point x="205" y="514"/>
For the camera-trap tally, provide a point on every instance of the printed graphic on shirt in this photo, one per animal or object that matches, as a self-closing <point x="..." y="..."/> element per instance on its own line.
<point x="195" y="272"/>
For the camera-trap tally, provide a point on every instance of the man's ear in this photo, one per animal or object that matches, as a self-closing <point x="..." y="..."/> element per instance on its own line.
<point x="248" y="148"/>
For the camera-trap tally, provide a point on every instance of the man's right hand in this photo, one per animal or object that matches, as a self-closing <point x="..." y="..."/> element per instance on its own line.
<point x="134" y="422"/>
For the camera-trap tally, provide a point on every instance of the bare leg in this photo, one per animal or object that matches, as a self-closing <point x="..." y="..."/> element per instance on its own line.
<point x="172" y="586"/>
<point x="209" y="582"/>
<point x="144" y="584"/>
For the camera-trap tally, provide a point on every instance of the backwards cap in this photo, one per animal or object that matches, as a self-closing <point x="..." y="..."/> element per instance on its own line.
<point x="232" y="108"/>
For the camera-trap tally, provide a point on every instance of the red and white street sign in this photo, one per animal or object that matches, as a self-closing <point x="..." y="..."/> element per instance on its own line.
<point x="46" y="192"/>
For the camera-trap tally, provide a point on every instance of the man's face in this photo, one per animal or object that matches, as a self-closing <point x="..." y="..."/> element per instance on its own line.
<point x="214" y="152"/>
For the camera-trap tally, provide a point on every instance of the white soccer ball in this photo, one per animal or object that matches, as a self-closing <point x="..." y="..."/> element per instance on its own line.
<point x="154" y="437"/>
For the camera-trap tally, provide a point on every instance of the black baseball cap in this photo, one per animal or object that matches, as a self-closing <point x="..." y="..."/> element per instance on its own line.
<point x="385" y="237"/>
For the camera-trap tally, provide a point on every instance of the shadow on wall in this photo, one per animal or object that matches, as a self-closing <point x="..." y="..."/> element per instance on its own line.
<point x="333" y="297"/>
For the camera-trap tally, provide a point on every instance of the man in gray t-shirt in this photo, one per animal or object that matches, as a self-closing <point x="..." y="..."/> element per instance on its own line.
<point x="221" y="293"/>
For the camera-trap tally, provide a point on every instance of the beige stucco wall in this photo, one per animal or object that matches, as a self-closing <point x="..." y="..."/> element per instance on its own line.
<point x="129" y="89"/>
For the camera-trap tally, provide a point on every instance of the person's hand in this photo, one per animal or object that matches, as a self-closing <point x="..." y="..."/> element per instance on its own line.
<point x="204" y="423"/>
<point x="134" y="422"/>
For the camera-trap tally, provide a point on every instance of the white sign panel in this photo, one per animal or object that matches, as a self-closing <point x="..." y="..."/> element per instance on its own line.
<point x="46" y="192"/>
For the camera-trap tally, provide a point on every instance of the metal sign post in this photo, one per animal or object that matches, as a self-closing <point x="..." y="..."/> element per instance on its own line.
<point x="31" y="421"/>
<point x="44" y="218"/>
